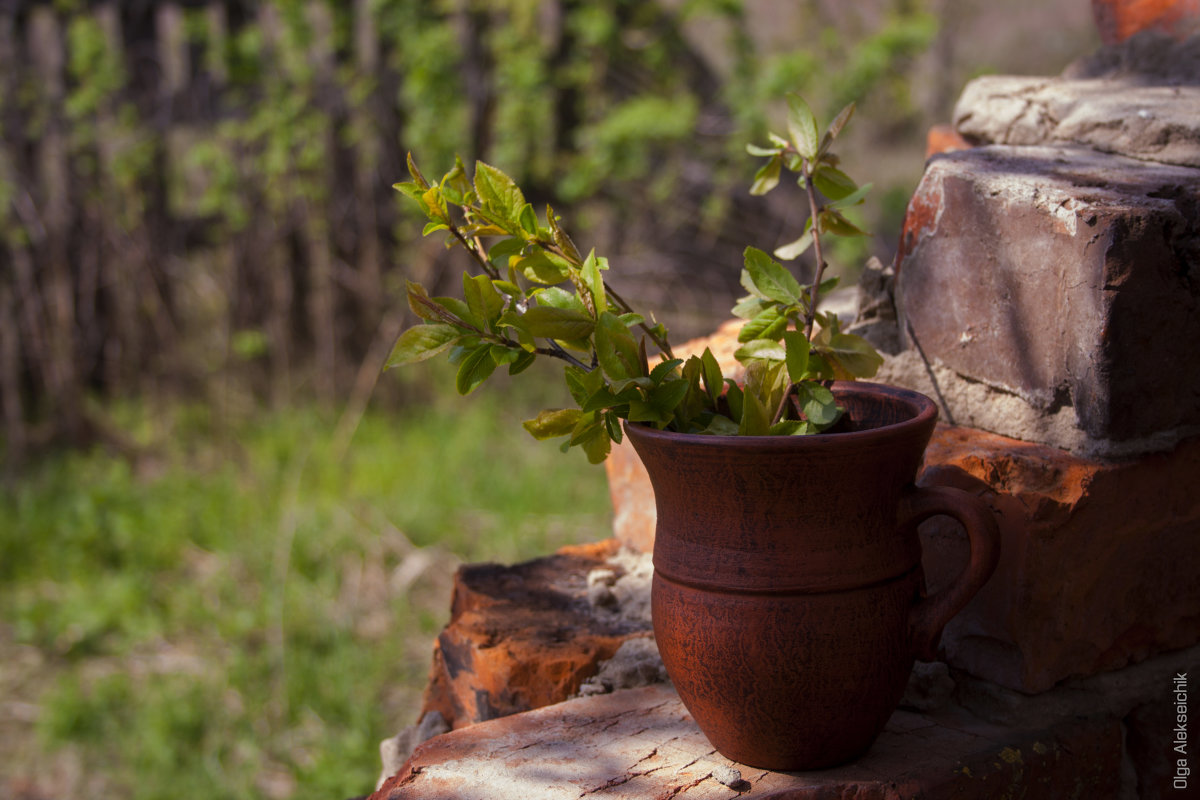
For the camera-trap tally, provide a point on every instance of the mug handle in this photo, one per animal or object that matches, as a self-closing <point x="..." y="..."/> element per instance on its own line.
<point x="930" y="614"/>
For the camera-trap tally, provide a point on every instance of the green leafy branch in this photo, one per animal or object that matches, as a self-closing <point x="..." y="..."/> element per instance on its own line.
<point x="789" y="360"/>
<point x="809" y="154"/>
<point x="537" y="295"/>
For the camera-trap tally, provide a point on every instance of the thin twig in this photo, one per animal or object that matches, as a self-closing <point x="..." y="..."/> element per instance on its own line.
<point x="661" y="342"/>
<point x="815" y="295"/>
<point x="783" y="404"/>
<point x="556" y="351"/>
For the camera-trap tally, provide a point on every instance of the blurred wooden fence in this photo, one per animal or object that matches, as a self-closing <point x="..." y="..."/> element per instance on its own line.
<point x="195" y="194"/>
<point x="149" y="233"/>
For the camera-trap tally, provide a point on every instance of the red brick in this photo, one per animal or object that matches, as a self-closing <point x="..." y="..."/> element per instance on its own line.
<point x="944" y="139"/>
<point x="1117" y="20"/>
<point x="1098" y="559"/>
<point x="522" y="637"/>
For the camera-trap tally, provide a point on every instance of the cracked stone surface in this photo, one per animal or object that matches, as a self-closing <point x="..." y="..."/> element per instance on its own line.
<point x="642" y="743"/>
<point x="1138" y="99"/>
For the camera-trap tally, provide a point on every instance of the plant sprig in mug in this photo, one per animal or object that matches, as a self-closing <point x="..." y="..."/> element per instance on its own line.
<point x="533" y="294"/>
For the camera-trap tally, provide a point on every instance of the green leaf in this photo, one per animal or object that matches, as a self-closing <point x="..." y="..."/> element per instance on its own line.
<point x="750" y="307"/>
<point x="797" y="347"/>
<point x="772" y="279"/>
<point x="528" y="220"/>
<point x="802" y="127"/>
<point x="522" y="363"/>
<point x="818" y="404"/>
<point x="503" y="354"/>
<point x="818" y="367"/>
<point x="734" y="396"/>
<point x="597" y="448"/>
<point x="435" y="204"/>
<point x="594" y="281"/>
<point x="588" y="427"/>
<point x="713" y="381"/>
<point x="850" y="356"/>
<point x="508" y="287"/>
<point x="418" y="178"/>
<point x="663" y="370"/>
<point x="542" y="267"/>
<point x="851" y="199"/>
<point x="833" y="183"/>
<point x="756" y="418"/>
<point x="557" y="297"/>
<point x="766" y="381"/>
<point x="553" y="423"/>
<point x="791" y="427"/>
<point x="769" y="324"/>
<point x="482" y="298"/>
<point x="455" y="185"/>
<point x="560" y="236"/>
<point x="832" y="221"/>
<point x="762" y="350"/>
<point x="767" y="177"/>
<point x="421" y="342"/>
<point x="411" y="191"/>
<point x="795" y="249"/>
<point x="667" y="397"/>
<point x="646" y="411"/>
<point x="582" y="383"/>
<point x="721" y="425"/>
<point x="549" y="322"/>
<point x="604" y="398"/>
<point x="459" y="311"/>
<point x="755" y="150"/>
<point x="502" y="253"/>
<point x="475" y="369"/>
<point x="612" y="422"/>
<point x="616" y="349"/>
<point x="434" y="227"/>
<point x="840" y="121"/>
<point x="422" y="305"/>
<point x="499" y="194"/>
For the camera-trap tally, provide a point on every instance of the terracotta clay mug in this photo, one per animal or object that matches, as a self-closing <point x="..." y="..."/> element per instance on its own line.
<point x="788" y="596"/>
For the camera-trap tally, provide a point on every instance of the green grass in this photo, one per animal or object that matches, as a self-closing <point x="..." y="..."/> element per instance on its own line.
<point x="247" y="613"/>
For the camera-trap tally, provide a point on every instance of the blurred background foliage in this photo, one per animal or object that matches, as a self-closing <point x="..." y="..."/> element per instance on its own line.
<point x="224" y="547"/>
<point x="193" y="193"/>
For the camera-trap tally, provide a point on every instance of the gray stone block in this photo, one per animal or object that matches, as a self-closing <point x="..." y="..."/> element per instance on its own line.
<point x="1066" y="277"/>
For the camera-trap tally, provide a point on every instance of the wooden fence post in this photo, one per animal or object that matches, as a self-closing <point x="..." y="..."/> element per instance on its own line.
<point x="47" y="54"/>
<point x="314" y="213"/>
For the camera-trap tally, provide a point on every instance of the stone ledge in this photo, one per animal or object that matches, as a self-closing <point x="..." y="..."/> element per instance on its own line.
<point x="1155" y="123"/>
<point x="642" y="743"/>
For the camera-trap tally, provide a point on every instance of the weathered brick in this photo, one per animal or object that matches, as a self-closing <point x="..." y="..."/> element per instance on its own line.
<point x="522" y="636"/>
<point x="1117" y="20"/>
<point x="1067" y="277"/>
<point x="1098" y="559"/>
